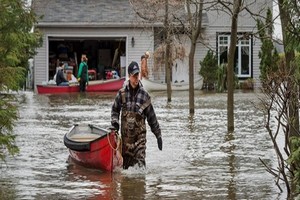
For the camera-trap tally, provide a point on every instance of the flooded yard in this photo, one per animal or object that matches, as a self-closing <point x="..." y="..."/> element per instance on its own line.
<point x="200" y="160"/>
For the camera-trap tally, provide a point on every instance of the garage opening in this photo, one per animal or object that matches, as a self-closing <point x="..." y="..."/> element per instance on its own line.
<point x="106" y="56"/>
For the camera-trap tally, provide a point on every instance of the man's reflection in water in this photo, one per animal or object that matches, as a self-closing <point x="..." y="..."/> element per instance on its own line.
<point x="129" y="187"/>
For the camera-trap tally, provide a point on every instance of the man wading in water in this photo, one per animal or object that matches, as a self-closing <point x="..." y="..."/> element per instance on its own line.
<point x="135" y="103"/>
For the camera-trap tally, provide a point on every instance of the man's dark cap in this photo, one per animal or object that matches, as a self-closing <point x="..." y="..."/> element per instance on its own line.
<point x="133" y="68"/>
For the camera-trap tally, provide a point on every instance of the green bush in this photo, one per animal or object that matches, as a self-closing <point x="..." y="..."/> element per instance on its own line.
<point x="208" y="70"/>
<point x="222" y="78"/>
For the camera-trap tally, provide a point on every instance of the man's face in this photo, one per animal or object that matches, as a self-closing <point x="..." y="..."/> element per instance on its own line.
<point x="134" y="80"/>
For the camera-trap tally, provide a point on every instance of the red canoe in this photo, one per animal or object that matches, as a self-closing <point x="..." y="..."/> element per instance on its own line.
<point x="94" y="86"/>
<point x="93" y="147"/>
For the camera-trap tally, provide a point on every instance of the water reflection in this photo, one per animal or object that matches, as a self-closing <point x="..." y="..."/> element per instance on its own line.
<point x="99" y="184"/>
<point x="200" y="160"/>
<point x="106" y="185"/>
<point x="229" y="149"/>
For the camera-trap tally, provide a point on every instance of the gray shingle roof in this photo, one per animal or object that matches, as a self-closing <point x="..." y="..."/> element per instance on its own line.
<point x="107" y="12"/>
<point x="113" y="13"/>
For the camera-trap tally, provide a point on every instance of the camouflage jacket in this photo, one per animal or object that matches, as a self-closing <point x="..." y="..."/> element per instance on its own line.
<point x="133" y="103"/>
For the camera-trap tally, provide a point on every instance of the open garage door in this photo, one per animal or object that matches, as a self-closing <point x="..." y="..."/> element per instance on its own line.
<point x="105" y="54"/>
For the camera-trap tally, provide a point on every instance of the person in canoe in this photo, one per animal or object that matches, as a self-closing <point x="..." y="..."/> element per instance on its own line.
<point x="60" y="77"/>
<point x="134" y="104"/>
<point x="83" y="76"/>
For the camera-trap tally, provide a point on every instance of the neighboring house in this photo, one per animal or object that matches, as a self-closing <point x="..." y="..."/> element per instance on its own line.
<point x="112" y="36"/>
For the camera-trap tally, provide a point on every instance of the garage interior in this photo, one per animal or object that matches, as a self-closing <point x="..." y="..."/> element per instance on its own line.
<point x="104" y="55"/>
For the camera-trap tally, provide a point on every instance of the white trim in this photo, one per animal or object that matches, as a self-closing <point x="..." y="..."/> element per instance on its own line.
<point x="95" y="25"/>
<point x="47" y="58"/>
<point x="127" y="50"/>
<point x="102" y="25"/>
<point x="84" y="36"/>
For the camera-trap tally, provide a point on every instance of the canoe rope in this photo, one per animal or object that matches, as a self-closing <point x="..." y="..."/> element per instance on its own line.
<point x="119" y="142"/>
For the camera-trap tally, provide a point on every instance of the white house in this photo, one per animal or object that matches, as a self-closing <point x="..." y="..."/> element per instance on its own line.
<point x="111" y="35"/>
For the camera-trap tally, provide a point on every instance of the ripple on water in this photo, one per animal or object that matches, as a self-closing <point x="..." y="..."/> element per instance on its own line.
<point x="200" y="160"/>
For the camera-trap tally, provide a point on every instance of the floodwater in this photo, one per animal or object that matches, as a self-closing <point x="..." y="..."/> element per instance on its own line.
<point x="200" y="160"/>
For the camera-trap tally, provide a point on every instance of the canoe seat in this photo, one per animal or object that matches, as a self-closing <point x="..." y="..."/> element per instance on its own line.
<point x="84" y="137"/>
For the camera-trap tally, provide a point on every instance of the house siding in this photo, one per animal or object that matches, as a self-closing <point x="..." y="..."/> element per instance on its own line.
<point x="221" y="18"/>
<point x="40" y="63"/>
<point x="144" y="41"/>
<point x="210" y="41"/>
<point x="256" y="62"/>
<point x="221" y="22"/>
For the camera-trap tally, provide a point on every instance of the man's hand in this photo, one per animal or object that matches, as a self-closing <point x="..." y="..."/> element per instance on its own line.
<point x="159" y="143"/>
<point x="78" y="79"/>
<point x="116" y="125"/>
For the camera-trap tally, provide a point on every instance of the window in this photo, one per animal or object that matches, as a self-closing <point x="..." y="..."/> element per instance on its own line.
<point x="243" y="62"/>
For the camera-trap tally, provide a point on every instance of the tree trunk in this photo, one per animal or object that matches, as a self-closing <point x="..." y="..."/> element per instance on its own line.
<point x="195" y="33"/>
<point x="289" y="57"/>
<point x="168" y="56"/>
<point x="230" y="67"/>
<point x="191" y="78"/>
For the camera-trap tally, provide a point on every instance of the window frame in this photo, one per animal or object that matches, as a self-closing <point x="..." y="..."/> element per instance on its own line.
<point x="243" y="40"/>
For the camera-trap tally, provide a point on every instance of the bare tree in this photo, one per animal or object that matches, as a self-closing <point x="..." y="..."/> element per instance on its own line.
<point x="234" y="9"/>
<point x="195" y="25"/>
<point x="230" y="67"/>
<point x="152" y="12"/>
<point x="288" y="43"/>
<point x="281" y="88"/>
<point x="277" y="95"/>
<point x="168" y="46"/>
<point x="184" y="17"/>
